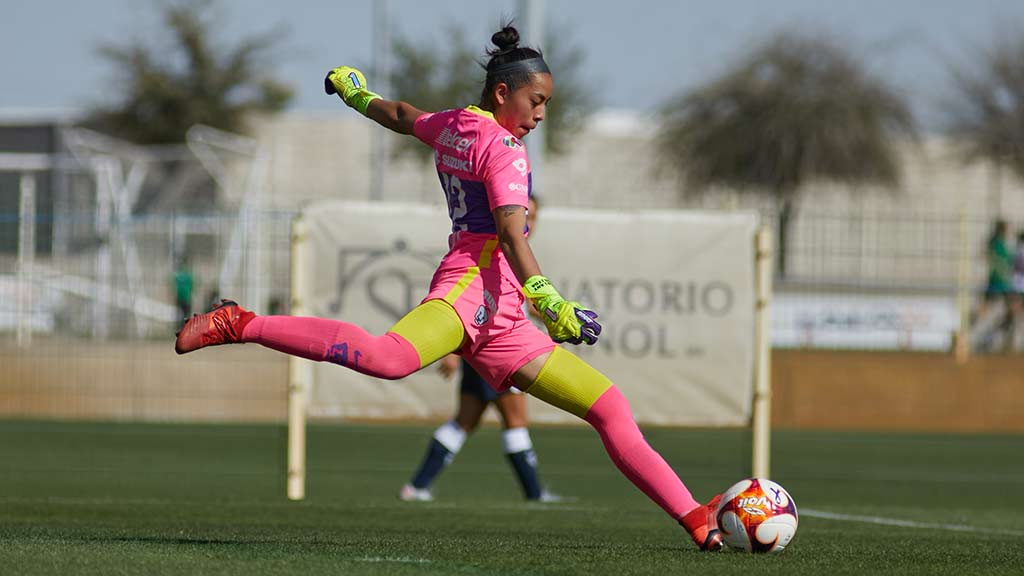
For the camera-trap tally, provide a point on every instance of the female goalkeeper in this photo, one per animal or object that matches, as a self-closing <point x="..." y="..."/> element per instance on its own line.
<point x="474" y="306"/>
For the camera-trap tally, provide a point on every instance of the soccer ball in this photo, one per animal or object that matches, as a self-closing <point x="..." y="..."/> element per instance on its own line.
<point x="757" y="515"/>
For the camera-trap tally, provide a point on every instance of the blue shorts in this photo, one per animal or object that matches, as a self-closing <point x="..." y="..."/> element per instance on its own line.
<point x="474" y="384"/>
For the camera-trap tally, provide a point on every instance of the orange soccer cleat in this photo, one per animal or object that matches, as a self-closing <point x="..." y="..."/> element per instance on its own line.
<point x="702" y="524"/>
<point x="222" y="325"/>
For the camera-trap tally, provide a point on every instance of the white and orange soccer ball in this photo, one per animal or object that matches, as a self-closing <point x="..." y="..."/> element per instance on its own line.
<point x="757" y="515"/>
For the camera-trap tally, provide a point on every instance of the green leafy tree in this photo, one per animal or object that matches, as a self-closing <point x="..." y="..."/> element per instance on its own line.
<point x="198" y="81"/>
<point x="987" y="110"/>
<point x="795" y="109"/>
<point x="436" y="79"/>
<point x="567" y="109"/>
<point x="432" y="78"/>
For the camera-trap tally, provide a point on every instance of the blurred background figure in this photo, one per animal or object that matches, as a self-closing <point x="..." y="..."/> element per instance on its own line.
<point x="1000" y="263"/>
<point x="998" y="310"/>
<point x="184" y="283"/>
<point x="475" y="395"/>
<point x="1018" y="265"/>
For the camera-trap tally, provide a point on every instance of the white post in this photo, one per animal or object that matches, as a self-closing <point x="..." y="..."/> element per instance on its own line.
<point x="26" y="255"/>
<point x="104" y="201"/>
<point x="762" y="410"/>
<point x="300" y="370"/>
<point x="531" y="14"/>
<point x="126" y="192"/>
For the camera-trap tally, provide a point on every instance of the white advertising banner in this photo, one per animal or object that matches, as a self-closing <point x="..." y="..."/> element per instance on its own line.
<point x="674" y="290"/>
<point x="864" y="321"/>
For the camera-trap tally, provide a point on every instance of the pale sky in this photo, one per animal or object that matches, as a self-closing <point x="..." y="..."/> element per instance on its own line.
<point x="638" y="54"/>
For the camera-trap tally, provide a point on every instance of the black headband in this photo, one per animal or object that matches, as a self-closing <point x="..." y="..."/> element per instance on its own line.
<point x="528" y="66"/>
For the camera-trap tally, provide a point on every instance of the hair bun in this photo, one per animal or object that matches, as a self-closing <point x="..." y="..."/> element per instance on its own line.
<point x="506" y="39"/>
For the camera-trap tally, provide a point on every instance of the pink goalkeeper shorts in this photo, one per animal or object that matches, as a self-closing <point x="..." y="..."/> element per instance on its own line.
<point x="476" y="280"/>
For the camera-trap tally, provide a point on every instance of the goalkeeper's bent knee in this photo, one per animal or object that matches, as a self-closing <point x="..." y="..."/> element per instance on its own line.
<point x="567" y="382"/>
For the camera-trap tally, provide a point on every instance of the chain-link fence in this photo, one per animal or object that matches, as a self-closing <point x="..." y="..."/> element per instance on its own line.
<point x="906" y="281"/>
<point x="86" y="249"/>
<point x="140" y="282"/>
<point x="853" y="280"/>
<point x="103" y="253"/>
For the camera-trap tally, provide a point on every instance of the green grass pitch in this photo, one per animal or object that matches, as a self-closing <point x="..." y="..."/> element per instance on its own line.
<point x="183" y="499"/>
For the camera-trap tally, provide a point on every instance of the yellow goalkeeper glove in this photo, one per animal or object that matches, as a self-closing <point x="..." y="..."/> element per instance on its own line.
<point x="350" y="84"/>
<point x="566" y="321"/>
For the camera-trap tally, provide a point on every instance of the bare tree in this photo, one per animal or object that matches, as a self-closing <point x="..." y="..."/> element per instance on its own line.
<point x="199" y="81"/>
<point x="797" y="108"/>
<point x="987" y="110"/>
<point x="433" y="79"/>
<point x="567" y="109"/>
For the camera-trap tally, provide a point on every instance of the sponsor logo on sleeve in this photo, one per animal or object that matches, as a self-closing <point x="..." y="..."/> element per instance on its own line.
<point x="512" y="142"/>
<point x="517" y="187"/>
<point x="520" y="165"/>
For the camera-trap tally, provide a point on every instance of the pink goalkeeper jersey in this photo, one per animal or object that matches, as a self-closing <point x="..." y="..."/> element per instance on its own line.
<point x="481" y="166"/>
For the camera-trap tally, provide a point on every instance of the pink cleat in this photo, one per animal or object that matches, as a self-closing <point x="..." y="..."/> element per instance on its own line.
<point x="222" y="325"/>
<point x="702" y="524"/>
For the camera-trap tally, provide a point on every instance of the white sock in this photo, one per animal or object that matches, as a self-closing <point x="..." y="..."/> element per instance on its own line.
<point x="516" y="440"/>
<point x="451" y="436"/>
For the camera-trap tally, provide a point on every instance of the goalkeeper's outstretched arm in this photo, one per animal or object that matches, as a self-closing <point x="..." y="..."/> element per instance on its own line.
<point x="350" y="85"/>
<point x="394" y="115"/>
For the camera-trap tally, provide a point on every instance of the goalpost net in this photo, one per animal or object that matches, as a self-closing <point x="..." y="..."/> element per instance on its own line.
<point x="683" y="298"/>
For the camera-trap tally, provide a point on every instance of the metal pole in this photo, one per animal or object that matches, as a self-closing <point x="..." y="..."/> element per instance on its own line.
<point x="26" y="255"/>
<point x="532" y="26"/>
<point x="762" y="410"/>
<point x="962" y="341"/>
<point x="381" y="85"/>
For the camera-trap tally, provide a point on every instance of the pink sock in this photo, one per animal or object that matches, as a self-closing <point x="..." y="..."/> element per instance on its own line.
<point x="389" y="356"/>
<point x="635" y="458"/>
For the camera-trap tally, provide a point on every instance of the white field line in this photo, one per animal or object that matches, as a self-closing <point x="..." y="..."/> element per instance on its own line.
<point x="399" y="560"/>
<point x="905" y="523"/>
